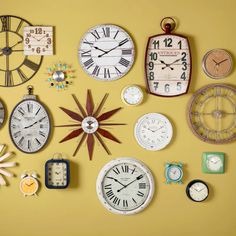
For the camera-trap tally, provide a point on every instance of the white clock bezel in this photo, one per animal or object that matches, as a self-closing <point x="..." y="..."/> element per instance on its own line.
<point x="153" y="147"/>
<point x="110" y="165"/>
<point x="119" y="29"/>
<point x="125" y="89"/>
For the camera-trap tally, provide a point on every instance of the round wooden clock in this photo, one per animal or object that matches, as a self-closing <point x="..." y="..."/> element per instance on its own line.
<point x="106" y="52"/>
<point x="15" y="67"/>
<point x="168" y="62"/>
<point x="217" y="63"/>
<point x="212" y="113"/>
<point x="125" y="186"/>
<point x="29" y="124"/>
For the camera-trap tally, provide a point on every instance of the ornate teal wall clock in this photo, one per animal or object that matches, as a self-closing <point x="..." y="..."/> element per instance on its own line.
<point x="174" y="172"/>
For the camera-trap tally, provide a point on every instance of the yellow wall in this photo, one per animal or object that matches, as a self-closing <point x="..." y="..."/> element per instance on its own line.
<point x="77" y="210"/>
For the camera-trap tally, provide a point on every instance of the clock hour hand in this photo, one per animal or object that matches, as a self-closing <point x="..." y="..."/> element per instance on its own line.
<point x="97" y="48"/>
<point x="41" y="38"/>
<point x="166" y="65"/>
<point x="137" y="178"/>
<point x="215" y="61"/>
<point x="116" y="180"/>
<point x="222" y="61"/>
<point x="35" y="123"/>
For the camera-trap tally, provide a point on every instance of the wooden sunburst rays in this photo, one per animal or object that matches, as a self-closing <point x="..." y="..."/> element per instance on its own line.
<point x="90" y="111"/>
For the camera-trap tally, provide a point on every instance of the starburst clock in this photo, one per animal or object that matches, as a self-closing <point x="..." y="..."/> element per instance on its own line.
<point x="3" y="166"/>
<point x="60" y="76"/>
<point x="88" y="124"/>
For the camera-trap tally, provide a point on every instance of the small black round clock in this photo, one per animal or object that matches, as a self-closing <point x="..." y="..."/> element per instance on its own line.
<point x="15" y="67"/>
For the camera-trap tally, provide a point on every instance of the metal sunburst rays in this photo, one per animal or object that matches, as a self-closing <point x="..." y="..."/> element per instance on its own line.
<point x="88" y="124"/>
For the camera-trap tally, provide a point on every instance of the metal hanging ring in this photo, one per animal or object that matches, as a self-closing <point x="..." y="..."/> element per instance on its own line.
<point x="30" y="89"/>
<point x="168" y="27"/>
<point x="57" y="155"/>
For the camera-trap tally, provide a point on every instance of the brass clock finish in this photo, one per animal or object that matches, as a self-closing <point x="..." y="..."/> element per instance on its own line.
<point x="217" y="63"/>
<point x="212" y="113"/>
<point x="15" y="67"/>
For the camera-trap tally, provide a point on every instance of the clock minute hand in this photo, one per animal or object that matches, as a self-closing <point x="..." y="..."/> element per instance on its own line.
<point x="222" y="61"/>
<point x="137" y="178"/>
<point x="116" y="180"/>
<point x="16" y="44"/>
<point x="100" y="49"/>
<point x="35" y="123"/>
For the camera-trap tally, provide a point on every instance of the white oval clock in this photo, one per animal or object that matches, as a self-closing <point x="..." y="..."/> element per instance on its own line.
<point x="106" y="52"/>
<point x="153" y="131"/>
<point x="125" y="186"/>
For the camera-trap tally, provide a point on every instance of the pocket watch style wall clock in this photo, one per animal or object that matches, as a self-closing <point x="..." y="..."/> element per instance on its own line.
<point x="212" y="113"/>
<point x="15" y="67"/>
<point x="106" y="52"/>
<point x="38" y="40"/>
<point x="5" y="165"/>
<point x="168" y="62"/>
<point x="29" y="184"/>
<point x="90" y="124"/>
<point x="174" y="173"/>
<point x="132" y="95"/>
<point x="213" y="162"/>
<point x="29" y="124"/>
<point x="125" y="186"/>
<point x="153" y="131"/>
<point x="2" y="114"/>
<point x="197" y="190"/>
<point x="217" y="63"/>
<point x="57" y="173"/>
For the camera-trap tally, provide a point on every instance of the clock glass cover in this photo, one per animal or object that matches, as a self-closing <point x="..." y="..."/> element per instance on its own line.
<point x="132" y="95"/>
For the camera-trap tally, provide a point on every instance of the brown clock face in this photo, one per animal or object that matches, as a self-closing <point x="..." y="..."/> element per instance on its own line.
<point x="212" y="113"/>
<point x="217" y="63"/>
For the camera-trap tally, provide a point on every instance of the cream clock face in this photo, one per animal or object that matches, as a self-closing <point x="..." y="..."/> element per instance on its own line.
<point x="38" y="40"/>
<point x="175" y="173"/>
<point x="168" y="65"/>
<point x="106" y="52"/>
<point x="197" y="190"/>
<point x="153" y="131"/>
<point x="29" y="186"/>
<point x="217" y="63"/>
<point x="132" y="95"/>
<point x="214" y="163"/>
<point x="29" y="126"/>
<point x="125" y="186"/>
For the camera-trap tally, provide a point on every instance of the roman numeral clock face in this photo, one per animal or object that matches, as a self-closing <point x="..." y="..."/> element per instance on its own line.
<point x="125" y="186"/>
<point x="29" y="126"/>
<point x="106" y="52"/>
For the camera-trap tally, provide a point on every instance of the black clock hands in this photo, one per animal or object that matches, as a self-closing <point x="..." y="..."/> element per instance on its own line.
<point x="116" y="180"/>
<point x="8" y="50"/>
<point x="119" y="45"/>
<point x="35" y="123"/>
<point x="99" y="49"/>
<point x="169" y="64"/>
<point x="218" y="63"/>
<point x="137" y="178"/>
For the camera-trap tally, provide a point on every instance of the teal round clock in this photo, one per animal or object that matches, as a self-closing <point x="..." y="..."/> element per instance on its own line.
<point x="174" y="173"/>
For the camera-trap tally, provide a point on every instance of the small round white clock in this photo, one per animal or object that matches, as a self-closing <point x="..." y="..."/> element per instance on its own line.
<point x="125" y="186"/>
<point x="153" y="131"/>
<point x="197" y="190"/>
<point x="106" y="52"/>
<point x="132" y="95"/>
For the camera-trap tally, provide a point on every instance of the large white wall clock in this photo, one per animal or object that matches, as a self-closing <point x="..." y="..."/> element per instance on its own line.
<point x="153" y="131"/>
<point x="106" y="52"/>
<point x="125" y="186"/>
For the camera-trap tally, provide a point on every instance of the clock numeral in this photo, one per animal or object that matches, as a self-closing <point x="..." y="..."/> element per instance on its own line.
<point x="6" y="23"/>
<point x="9" y="79"/>
<point x="42" y="134"/>
<point x="156" y="84"/>
<point x="95" y="34"/>
<point x="96" y="70"/>
<point x="124" y="62"/>
<point x="178" y="86"/>
<point x="110" y="194"/>
<point x="38" y="30"/>
<point x="116" y="34"/>
<point x="86" y="54"/>
<point x="142" y="185"/>
<point x="133" y="171"/>
<point x="151" y="75"/>
<point x="118" y="72"/>
<point x="185" y="65"/>
<point x="125" y="203"/>
<point x="134" y="201"/>
<point x="39" y="143"/>
<point x="180" y="44"/>
<point x="116" y="201"/>
<point x="153" y="56"/>
<point x="140" y="194"/>
<point x="151" y="65"/>
<point x="88" y="63"/>
<point x="17" y="134"/>
<point x="184" y="54"/>
<point x="20" y="143"/>
<point x="21" y="111"/>
<point x="87" y="42"/>
<point x="30" y="64"/>
<point x="107" y="186"/>
<point x="37" y="111"/>
<point x="15" y="118"/>
<point x="107" y="73"/>
<point x="19" y="26"/>
<point x="30" y="107"/>
<point x="167" y="88"/>
<point x="156" y="44"/>
<point x="22" y="75"/>
<point x="106" y="32"/>
<point x="126" y="51"/>
<point x="29" y="144"/>
<point x="183" y="76"/>
<point x="41" y="126"/>
<point x="116" y="170"/>
<point x="168" y="42"/>
<point x="125" y="168"/>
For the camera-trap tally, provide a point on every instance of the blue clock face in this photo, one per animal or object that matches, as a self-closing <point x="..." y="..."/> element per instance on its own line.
<point x="57" y="174"/>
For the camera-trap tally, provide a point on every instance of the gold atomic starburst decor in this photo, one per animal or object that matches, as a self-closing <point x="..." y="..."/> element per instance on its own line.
<point x="60" y="76"/>
<point x="4" y="165"/>
<point x="89" y="123"/>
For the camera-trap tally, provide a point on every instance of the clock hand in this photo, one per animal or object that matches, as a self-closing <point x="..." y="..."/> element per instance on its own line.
<point x="35" y="123"/>
<point x="116" y="180"/>
<point x="158" y="129"/>
<point x="222" y="61"/>
<point x="41" y="38"/>
<point x="57" y="173"/>
<point x="120" y="44"/>
<point x="16" y="44"/>
<point x="100" y="49"/>
<point x="215" y="61"/>
<point x="166" y="65"/>
<point x="137" y="178"/>
<point x="175" y="61"/>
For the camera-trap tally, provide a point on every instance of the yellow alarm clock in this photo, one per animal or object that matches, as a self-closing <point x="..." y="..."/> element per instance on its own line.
<point x="29" y="184"/>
